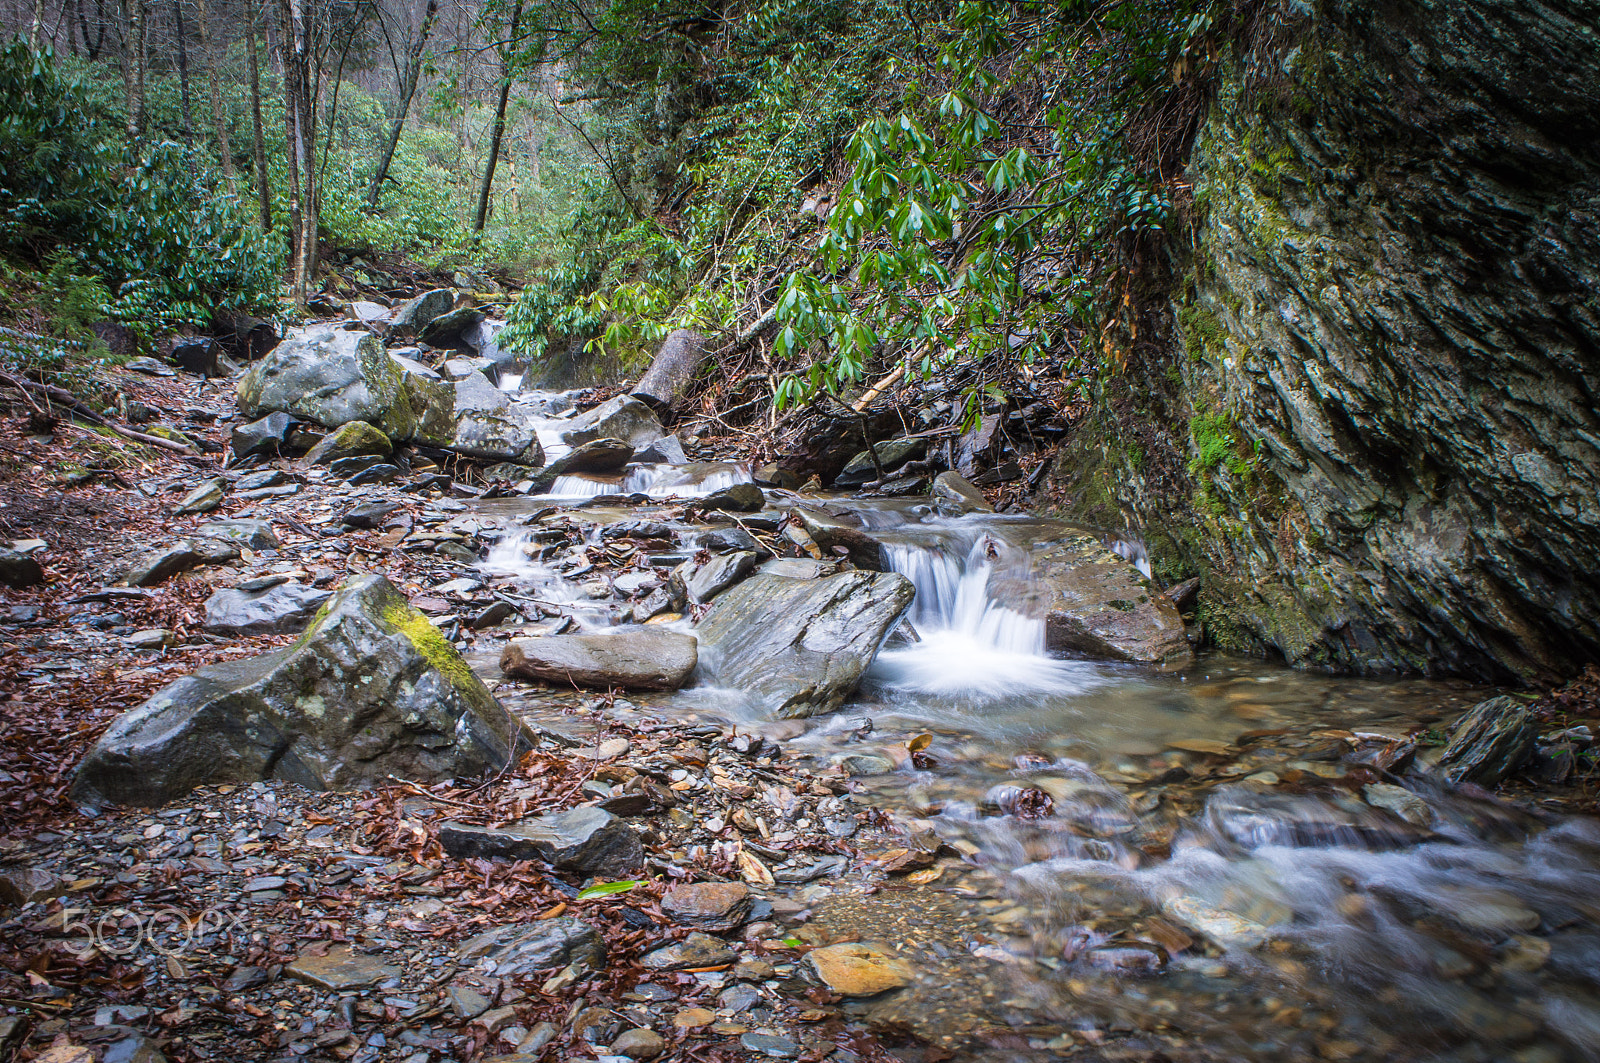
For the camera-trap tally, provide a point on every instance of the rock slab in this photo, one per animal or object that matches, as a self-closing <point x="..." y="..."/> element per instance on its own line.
<point x="586" y="839"/>
<point x="857" y="969"/>
<point x="637" y="658"/>
<point x="369" y="691"/>
<point x="1494" y="739"/>
<point x="1097" y="604"/>
<point x="799" y="647"/>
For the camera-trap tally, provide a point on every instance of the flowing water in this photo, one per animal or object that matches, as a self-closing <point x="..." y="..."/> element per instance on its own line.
<point x="1206" y="864"/>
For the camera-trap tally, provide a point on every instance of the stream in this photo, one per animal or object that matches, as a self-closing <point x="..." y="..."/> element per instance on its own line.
<point x="1214" y="862"/>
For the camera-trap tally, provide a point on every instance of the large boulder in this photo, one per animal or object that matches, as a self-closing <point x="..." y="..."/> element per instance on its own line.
<point x="624" y="418"/>
<point x="1095" y="603"/>
<point x="416" y="314"/>
<point x="637" y="658"/>
<point x="348" y="441"/>
<point x="490" y="426"/>
<point x="334" y="376"/>
<point x="370" y="690"/>
<point x="601" y="456"/>
<point x="799" y="647"/>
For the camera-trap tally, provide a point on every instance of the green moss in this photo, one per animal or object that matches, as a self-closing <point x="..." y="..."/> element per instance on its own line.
<point x="428" y="641"/>
<point x="1203" y="334"/>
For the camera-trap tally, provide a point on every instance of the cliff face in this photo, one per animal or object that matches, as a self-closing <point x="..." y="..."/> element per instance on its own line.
<point x="1385" y="344"/>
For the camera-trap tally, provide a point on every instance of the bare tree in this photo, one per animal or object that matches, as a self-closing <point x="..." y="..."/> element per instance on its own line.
<point x="263" y="182"/>
<point x="497" y="135"/>
<point x="408" y="89"/>
<point x="219" y="118"/>
<point x="299" y="97"/>
<point x="133" y="59"/>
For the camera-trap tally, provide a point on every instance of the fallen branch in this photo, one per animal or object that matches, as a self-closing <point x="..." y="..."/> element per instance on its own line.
<point x="67" y="399"/>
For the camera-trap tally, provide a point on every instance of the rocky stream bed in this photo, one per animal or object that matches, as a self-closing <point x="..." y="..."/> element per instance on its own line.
<point x="295" y="766"/>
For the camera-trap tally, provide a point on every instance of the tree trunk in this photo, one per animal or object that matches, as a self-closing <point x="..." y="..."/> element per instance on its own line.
<point x="499" y="133"/>
<point x="38" y="24"/>
<point x="183" y="74"/>
<point x="408" y="89"/>
<point x="263" y="183"/>
<point x="301" y="132"/>
<point x="218" y="118"/>
<point x="133" y="67"/>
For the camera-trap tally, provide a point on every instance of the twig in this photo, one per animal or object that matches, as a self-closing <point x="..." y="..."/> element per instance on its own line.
<point x="67" y="399"/>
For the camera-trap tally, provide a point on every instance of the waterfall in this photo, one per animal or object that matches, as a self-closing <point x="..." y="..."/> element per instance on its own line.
<point x="976" y="644"/>
<point x="657" y="481"/>
<point x="954" y="594"/>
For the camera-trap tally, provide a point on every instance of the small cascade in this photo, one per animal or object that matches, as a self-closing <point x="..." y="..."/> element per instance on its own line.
<point x="975" y="645"/>
<point x="657" y="481"/>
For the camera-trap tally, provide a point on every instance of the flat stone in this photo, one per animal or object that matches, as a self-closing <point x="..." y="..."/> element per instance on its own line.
<point x="261" y="478"/>
<point x="714" y="906"/>
<point x="157" y="567"/>
<point x="799" y="647"/>
<point x="467" y="1002"/>
<point x="639" y="1044"/>
<point x="693" y="1018"/>
<point x="255" y="534"/>
<point x="20" y="885"/>
<point x="371" y="515"/>
<point x="278" y="608"/>
<point x="696" y="950"/>
<point x="636" y="658"/>
<point x="521" y="949"/>
<point x="703" y="582"/>
<point x="340" y="968"/>
<point x="203" y="499"/>
<point x="585" y="839"/>
<point x="856" y="969"/>
<point x="770" y="1045"/>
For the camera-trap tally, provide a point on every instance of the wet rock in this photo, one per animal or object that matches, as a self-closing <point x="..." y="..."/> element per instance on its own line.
<point x="1225" y="928"/>
<point x="369" y="473"/>
<point x="1494" y="739"/>
<point x="158" y="566"/>
<point x="863" y="763"/>
<point x="770" y="1045"/>
<point x="268" y="435"/>
<point x="624" y="418"/>
<point x="254" y="534"/>
<point x="350" y="440"/>
<point x="636" y="658"/>
<point x="19" y="569"/>
<point x="1096" y="603"/>
<point x="713" y="906"/>
<point x="261" y="478"/>
<point x="798" y="568"/>
<point x="892" y="454"/>
<point x="597" y="456"/>
<point x="340" y="967"/>
<point x="1402" y="802"/>
<point x="416" y="314"/>
<point x="334" y="376"/>
<point x="664" y="451"/>
<point x="203" y="499"/>
<point x="22" y="885"/>
<point x="740" y="498"/>
<point x="953" y="488"/>
<point x="728" y="540"/>
<point x="446" y="330"/>
<point x="371" y="515"/>
<point x="703" y="582"/>
<point x="799" y="647"/>
<point x="585" y="839"/>
<point x="281" y="608"/>
<point x="1253" y="819"/>
<point x="696" y="950"/>
<point x="857" y="969"/>
<point x="369" y="691"/>
<point x="639" y="1044"/>
<point x="522" y="948"/>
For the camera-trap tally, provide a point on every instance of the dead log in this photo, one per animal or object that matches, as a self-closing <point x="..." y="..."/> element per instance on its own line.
<point x="673" y="369"/>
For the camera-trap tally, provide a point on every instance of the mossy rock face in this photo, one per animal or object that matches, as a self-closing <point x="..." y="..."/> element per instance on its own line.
<point x="348" y="441"/>
<point x="370" y="690"/>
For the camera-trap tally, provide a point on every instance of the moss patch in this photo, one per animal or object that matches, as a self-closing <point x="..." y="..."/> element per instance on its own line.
<point x="434" y="647"/>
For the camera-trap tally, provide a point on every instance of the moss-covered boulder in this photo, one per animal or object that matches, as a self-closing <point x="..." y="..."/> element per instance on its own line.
<point x="370" y="690"/>
<point x="348" y="441"/>
<point x="334" y="376"/>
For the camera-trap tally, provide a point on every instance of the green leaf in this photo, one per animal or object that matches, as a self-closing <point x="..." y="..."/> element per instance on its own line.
<point x="607" y="889"/>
